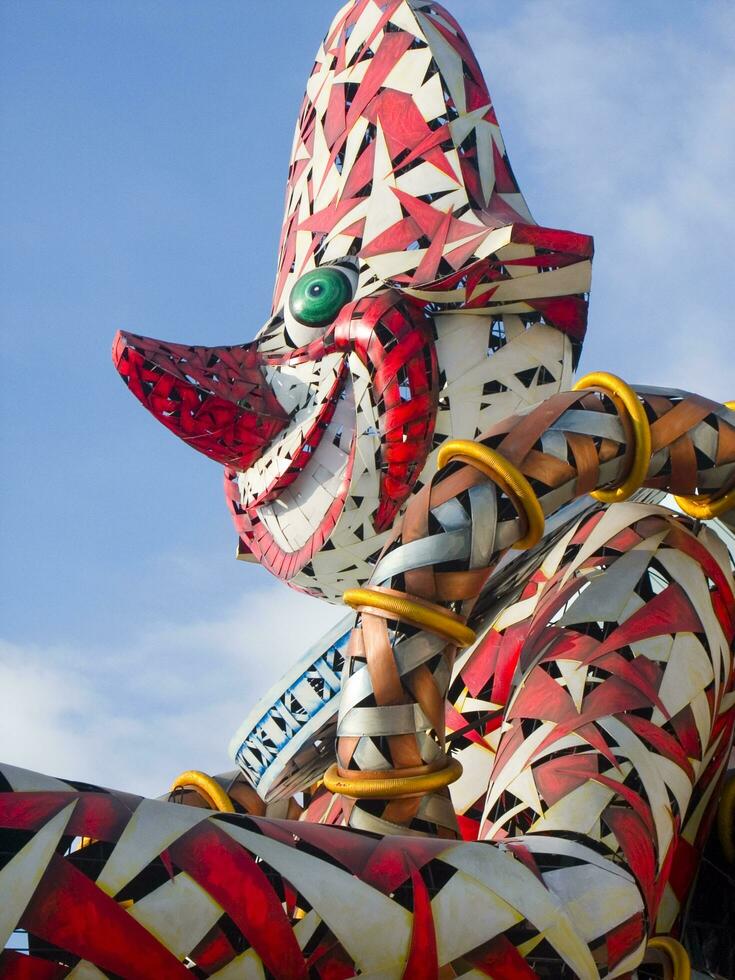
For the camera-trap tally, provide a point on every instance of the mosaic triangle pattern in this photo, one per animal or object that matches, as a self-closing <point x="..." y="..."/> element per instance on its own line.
<point x="511" y="760"/>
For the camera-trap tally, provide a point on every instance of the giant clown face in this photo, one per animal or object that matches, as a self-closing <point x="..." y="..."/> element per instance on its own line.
<point x="416" y="300"/>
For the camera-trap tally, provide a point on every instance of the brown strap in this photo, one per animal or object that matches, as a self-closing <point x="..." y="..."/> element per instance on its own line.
<point x="586" y="461"/>
<point x="381" y="664"/>
<point x="683" y="479"/>
<point x="679" y="421"/>
<point x="529" y="429"/>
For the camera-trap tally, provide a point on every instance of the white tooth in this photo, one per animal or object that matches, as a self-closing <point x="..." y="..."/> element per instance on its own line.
<point x="300" y="508"/>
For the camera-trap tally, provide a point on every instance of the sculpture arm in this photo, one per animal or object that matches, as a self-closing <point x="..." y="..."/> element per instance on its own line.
<point x="490" y="496"/>
<point x="453" y="534"/>
<point x="163" y="888"/>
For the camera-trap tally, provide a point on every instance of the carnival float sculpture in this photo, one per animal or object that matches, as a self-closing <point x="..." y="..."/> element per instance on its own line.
<point x="507" y="761"/>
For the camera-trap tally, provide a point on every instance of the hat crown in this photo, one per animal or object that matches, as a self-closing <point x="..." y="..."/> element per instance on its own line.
<point x="397" y="148"/>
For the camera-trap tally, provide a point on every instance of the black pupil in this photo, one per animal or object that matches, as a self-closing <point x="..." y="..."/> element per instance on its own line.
<point x="315" y="289"/>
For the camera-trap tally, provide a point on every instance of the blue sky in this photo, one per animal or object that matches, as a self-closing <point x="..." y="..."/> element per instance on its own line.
<point x="144" y="152"/>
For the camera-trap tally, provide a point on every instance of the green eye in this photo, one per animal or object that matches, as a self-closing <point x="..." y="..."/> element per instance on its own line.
<point x="319" y="295"/>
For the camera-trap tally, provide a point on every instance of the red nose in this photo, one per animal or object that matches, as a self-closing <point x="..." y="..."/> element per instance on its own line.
<point x="214" y="398"/>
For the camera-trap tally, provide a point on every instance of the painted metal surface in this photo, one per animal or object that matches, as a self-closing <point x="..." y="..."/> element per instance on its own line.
<point x="417" y="303"/>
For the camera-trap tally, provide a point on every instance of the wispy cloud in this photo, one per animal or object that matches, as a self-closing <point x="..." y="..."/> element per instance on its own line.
<point x="133" y="715"/>
<point x="627" y="131"/>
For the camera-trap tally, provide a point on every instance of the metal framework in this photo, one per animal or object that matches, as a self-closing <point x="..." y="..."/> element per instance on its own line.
<point x="507" y="761"/>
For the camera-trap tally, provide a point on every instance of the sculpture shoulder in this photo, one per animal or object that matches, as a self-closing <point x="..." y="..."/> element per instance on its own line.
<point x="630" y="609"/>
<point x="632" y="589"/>
<point x="613" y="564"/>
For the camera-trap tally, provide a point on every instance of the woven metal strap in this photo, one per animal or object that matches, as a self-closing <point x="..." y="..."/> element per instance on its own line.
<point x="571" y="444"/>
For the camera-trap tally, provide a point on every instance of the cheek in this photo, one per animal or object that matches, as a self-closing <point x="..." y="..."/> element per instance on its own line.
<point x="398" y="362"/>
<point x="492" y="370"/>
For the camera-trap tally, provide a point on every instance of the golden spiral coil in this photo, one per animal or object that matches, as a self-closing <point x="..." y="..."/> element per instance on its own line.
<point x="707" y="506"/>
<point x="678" y="956"/>
<point x="628" y="405"/>
<point x="510" y="479"/>
<point x="207" y="787"/>
<point x="436" y="620"/>
<point x="392" y="786"/>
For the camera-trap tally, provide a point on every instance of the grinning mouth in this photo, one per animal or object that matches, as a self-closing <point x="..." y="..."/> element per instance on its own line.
<point x="289" y="500"/>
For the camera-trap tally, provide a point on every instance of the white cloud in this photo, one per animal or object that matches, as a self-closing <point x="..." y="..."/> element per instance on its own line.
<point x="135" y="714"/>
<point x="627" y="132"/>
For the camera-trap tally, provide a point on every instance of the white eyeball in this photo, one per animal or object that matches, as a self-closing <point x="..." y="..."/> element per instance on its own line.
<point x="316" y="299"/>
